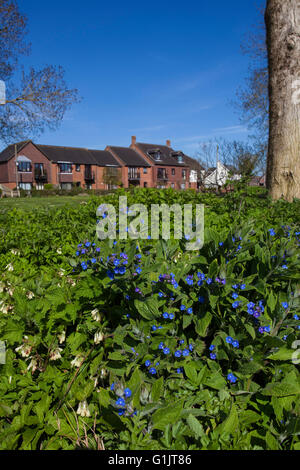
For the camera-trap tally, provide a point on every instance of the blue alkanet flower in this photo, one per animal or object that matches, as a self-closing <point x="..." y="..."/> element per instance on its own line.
<point x="127" y="392"/>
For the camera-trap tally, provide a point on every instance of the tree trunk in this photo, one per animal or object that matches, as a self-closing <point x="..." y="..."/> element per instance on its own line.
<point x="282" y="19"/>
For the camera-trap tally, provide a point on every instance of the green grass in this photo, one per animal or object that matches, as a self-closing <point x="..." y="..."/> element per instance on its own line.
<point x="36" y="202"/>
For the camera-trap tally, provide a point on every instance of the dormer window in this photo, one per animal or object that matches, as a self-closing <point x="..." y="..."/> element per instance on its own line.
<point x="156" y="154"/>
<point x="178" y="156"/>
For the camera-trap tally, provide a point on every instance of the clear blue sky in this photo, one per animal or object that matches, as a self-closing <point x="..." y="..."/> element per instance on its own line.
<point x="158" y="70"/>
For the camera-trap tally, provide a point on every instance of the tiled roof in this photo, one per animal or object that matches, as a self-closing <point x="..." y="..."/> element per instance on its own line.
<point x="104" y="158"/>
<point x="65" y="154"/>
<point x="78" y="155"/>
<point x="9" y="151"/>
<point x="166" y="157"/>
<point x="129" y="156"/>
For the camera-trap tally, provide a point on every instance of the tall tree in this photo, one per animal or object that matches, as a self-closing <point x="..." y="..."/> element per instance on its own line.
<point x="282" y="20"/>
<point x="34" y="99"/>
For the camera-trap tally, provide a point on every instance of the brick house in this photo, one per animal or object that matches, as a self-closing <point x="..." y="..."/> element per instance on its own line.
<point x="29" y="165"/>
<point x="26" y="165"/>
<point x="170" y="168"/>
<point x="136" y="171"/>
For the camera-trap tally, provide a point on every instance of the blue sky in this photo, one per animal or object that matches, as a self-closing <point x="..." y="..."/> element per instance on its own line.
<point x="158" y="70"/>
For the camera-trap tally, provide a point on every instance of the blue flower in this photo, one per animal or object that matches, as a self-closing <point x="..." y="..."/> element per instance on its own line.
<point x="166" y="351"/>
<point x="221" y="243"/>
<point x="182" y="307"/>
<point x="152" y="371"/>
<point x="296" y="317"/>
<point x="229" y="339"/>
<point x="208" y="281"/>
<point x="212" y="347"/>
<point x="213" y="356"/>
<point x="267" y="329"/>
<point x="285" y="305"/>
<point x="231" y="378"/>
<point x="191" y="347"/>
<point x="272" y="232"/>
<point x="161" y="345"/>
<point x="127" y="392"/>
<point x="120" y="402"/>
<point x="138" y="270"/>
<point x="122" y="270"/>
<point x="235" y="295"/>
<point x="112" y="387"/>
<point x="165" y="315"/>
<point x="171" y="316"/>
<point x="177" y="353"/>
<point x="236" y="304"/>
<point x="181" y="341"/>
<point x="243" y="286"/>
<point x="179" y="370"/>
<point x="185" y="352"/>
<point x="190" y="310"/>
<point x="147" y="363"/>
<point x="201" y="299"/>
<point x="235" y="344"/>
<point x="93" y="260"/>
<point x="153" y="328"/>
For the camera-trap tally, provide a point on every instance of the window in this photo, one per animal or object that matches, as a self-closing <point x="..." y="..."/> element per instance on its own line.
<point x="180" y="159"/>
<point x="145" y="171"/>
<point x="65" y="167"/>
<point x="25" y="186"/>
<point x="173" y="171"/>
<point x="24" y="167"/>
<point x="39" y="186"/>
<point x="161" y="173"/>
<point x="66" y="186"/>
<point x="145" y="184"/>
<point x="173" y="185"/>
<point x="184" y="174"/>
<point x="77" y="167"/>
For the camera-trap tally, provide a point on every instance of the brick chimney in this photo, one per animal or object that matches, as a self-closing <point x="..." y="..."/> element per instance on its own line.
<point x="133" y="140"/>
<point x="168" y="143"/>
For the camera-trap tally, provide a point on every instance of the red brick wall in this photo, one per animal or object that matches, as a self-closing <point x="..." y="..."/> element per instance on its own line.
<point x="9" y="170"/>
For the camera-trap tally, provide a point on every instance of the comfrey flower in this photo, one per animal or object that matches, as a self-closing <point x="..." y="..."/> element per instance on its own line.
<point x="77" y="361"/>
<point x="83" y="409"/>
<point x="55" y="354"/>
<point x="96" y="315"/>
<point x="98" y="337"/>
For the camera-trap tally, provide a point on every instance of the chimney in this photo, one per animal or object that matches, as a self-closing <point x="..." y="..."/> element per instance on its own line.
<point x="133" y="140"/>
<point x="168" y="142"/>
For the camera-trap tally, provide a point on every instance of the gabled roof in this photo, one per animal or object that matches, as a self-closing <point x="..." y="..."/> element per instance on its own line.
<point x="104" y="158"/>
<point x="9" y="152"/>
<point x="165" y="154"/>
<point x="54" y="153"/>
<point x="129" y="156"/>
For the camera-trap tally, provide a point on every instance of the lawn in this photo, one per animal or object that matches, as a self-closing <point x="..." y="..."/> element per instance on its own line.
<point x="28" y="203"/>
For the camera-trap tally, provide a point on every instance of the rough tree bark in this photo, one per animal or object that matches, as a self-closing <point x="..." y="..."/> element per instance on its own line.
<point x="282" y="19"/>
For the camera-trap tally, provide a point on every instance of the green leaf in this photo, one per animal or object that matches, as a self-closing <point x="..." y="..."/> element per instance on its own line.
<point x="202" y="324"/>
<point x="281" y="389"/>
<point x="157" y="389"/>
<point x="190" y="370"/>
<point x="195" y="426"/>
<point x="283" y="354"/>
<point x="231" y="423"/>
<point x="271" y="441"/>
<point x="167" y="415"/>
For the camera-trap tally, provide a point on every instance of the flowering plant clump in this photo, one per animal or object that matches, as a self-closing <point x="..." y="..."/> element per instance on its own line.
<point x="140" y="344"/>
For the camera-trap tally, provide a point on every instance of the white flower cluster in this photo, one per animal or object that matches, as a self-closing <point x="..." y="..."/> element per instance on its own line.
<point x="83" y="409"/>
